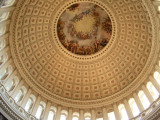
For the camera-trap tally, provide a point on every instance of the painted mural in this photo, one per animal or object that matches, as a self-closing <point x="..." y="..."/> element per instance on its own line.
<point x="84" y="28"/>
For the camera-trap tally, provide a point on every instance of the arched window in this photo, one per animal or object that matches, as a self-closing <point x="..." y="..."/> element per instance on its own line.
<point x="3" y="59"/>
<point x="111" y="116"/>
<point x="75" y="116"/>
<point x="87" y="116"/>
<point x="123" y="112"/>
<point x="4" y="16"/>
<point x="157" y="77"/>
<point x="64" y="114"/>
<point x="40" y="110"/>
<point x="20" y="94"/>
<point x="152" y="90"/>
<point x="12" y="84"/>
<point x="30" y="103"/>
<point x="134" y="107"/>
<point x="5" y="73"/>
<point x="2" y="30"/>
<point x="51" y="113"/>
<point x="143" y="99"/>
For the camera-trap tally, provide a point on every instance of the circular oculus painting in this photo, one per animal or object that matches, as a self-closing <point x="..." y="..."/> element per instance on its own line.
<point x="84" y="28"/>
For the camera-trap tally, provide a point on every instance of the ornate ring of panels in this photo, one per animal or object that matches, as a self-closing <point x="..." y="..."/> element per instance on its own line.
<point x="45" y="45"/>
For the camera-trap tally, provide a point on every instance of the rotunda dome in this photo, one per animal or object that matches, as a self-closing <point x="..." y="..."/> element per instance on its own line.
<point x="90" y="57"/>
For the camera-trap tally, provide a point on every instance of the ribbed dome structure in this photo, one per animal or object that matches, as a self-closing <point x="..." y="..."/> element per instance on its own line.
<point x="80" y="59"/>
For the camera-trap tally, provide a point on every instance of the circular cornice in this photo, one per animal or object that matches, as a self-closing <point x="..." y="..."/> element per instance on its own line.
<point x="21" y="61"/>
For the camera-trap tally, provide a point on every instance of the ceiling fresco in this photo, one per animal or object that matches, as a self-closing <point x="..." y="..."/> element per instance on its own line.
<point x="84" y="28"/>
